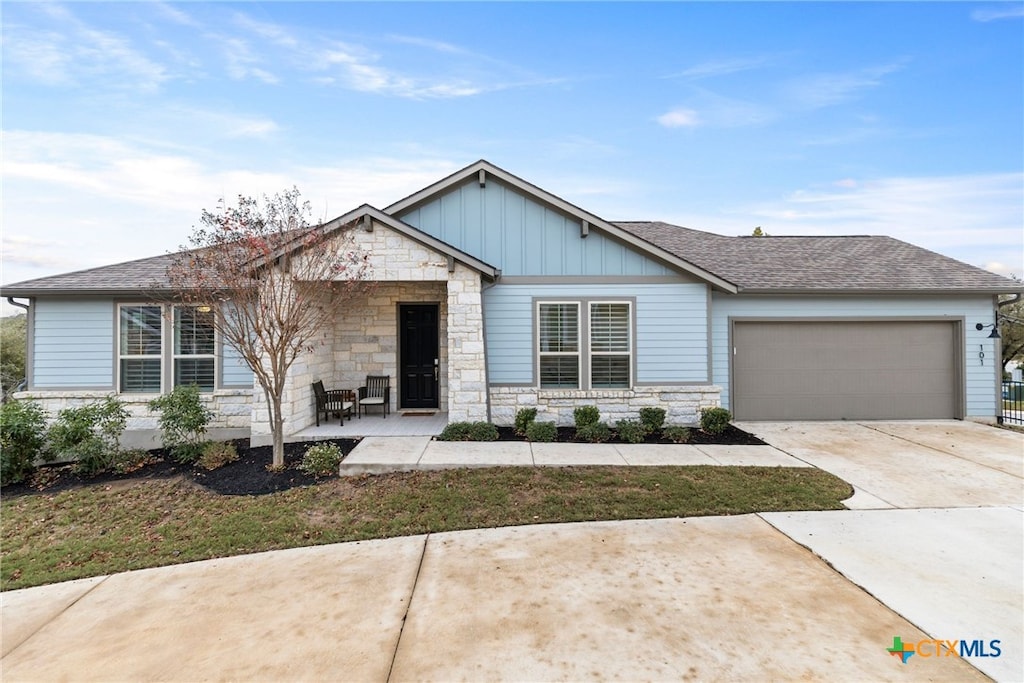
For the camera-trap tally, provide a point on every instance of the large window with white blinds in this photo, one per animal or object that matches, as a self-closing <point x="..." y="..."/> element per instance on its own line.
<point x="140" y="349"/>
<point x="584" y="345"/>
<point x="194" y="347"/>
<point x="610" y="345"/>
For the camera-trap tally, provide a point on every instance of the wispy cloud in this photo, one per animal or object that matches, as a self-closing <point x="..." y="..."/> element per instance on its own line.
<point x="710" y="109"/>
<point x="828" y="89"/>
<point x="680" y="118"/>
<point x="1006" y="11"/>
<point x="723" y="67"/>
<point x="72" y="53"/>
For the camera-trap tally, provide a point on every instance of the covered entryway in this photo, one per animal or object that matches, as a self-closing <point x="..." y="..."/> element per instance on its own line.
<point x="846" y="370"/>
<point x="419" y="358"/>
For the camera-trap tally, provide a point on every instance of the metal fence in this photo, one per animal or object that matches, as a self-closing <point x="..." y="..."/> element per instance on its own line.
<point x="1012" y="403"/>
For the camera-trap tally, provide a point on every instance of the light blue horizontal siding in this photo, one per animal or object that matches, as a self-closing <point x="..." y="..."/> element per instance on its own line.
<point x="234" y="371"/>
<point x="671" y="329"/>
<point x="73" y="344"/>
<point x="510" y="231"/>
<point x="980" y="380"/>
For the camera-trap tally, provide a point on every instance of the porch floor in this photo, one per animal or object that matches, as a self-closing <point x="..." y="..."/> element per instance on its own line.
<point x="396" y="424"/>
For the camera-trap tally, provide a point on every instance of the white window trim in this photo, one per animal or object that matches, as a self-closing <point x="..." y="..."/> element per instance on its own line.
<point x="578" y="353"/>
<point x="121" y="356"/>
<point x="175" y="356"/>
<point x="629" y="336"/>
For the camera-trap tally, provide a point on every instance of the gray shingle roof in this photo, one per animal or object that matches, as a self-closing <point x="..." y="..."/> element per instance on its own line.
<point x="756" y="264"/>
<point x="836" y="264"/>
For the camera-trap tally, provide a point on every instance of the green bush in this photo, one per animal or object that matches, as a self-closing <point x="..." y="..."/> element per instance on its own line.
<point x="183" y="421"/>
<point x="597" y="432"/>
<point x="714" y="420"/>
<point x="89" y="434"/>
<point x="483" y="431"/>
<point x="542" y="431"/>
<point x="652" y="418"/>
<point x="216" y="454"/>
<point x="321" y="460"/>
<point x="524" y="418"/>
<point x="676" y="433"/>
<point x="631" y="431"/>
<point x="22" y="437"/>
<point x="586" y="415"/>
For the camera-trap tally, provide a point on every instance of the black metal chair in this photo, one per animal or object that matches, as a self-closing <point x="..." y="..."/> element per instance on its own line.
<point x="376" y="392"/>
<point x="337" y="401"/>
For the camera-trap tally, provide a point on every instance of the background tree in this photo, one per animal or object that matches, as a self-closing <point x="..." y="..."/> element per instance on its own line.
<point x="276" y="281"/>
<point x="12" y="352"/>
<point x="1011" y="330"/>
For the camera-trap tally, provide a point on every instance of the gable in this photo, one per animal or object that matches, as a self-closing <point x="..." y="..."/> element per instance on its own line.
<point x="503" y="225"/>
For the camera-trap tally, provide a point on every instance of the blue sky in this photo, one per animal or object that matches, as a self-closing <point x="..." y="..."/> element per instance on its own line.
<point x="122" y="121"/>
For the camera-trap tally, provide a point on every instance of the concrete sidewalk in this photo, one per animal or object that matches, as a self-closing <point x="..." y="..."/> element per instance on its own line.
<point x="726" y="598"/>
<point x="377" y="455"/>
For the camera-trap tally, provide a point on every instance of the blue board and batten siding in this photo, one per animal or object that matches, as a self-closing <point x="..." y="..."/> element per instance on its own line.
<point x="979" y="397"/>
<point x="501" y="226"/>
<point x="671" y="329"/>
<point x="74" y="346"/>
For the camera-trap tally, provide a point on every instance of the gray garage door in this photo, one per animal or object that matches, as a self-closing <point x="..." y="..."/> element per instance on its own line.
<point x="845" y="370"/>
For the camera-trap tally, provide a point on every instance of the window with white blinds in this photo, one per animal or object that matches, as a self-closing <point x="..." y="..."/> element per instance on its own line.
<point x="558" y="335"/>
<point x="194" y="347"/>
<point x="585" y="345"/>
<point x="610" y="345"/>
<point x="140" y="349"/>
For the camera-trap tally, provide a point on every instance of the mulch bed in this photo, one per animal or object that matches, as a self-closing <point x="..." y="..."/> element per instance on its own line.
<point x="732" y="436"/>
<point x="247" y="476"/>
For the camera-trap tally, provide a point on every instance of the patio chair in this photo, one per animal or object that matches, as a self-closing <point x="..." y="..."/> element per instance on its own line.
<point x="376" y="392"/>
<point x="337" y="401"/>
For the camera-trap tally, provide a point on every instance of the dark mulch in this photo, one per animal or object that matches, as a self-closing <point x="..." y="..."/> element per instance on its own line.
<point x="247" y="476"/>
<point x="732" y="436"/>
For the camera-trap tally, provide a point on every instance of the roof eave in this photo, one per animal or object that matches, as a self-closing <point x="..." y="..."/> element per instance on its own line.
<point x="971" y="291"/>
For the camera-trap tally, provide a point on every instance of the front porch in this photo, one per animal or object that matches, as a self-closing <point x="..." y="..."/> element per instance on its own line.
<point x="410" y="423"/>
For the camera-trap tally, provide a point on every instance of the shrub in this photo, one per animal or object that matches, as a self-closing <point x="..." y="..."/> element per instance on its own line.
<point x="183" y="420"/>
<point x="216" y="454"/>
<point x="455" y="431"/>
<point x="483" y="431"/>
<point x="652" y="418"/>
<point x="676" y="433"/>
<point x="714" y="420"/>
<point x="22" y="437"/>
<point x="597" y="432"/>
<point x="89" y="434"/>
<point x="322" y="460"/>
<point x="524" y="418"/>
<point x="586" y="415"/>
<point x="631" y="431"/>
<point x="542" y="431"/>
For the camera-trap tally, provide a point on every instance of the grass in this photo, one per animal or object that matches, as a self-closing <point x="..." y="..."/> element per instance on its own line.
<point x="110" y="528"/>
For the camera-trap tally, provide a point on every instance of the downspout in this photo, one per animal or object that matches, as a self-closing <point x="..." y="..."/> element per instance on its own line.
<point x="12" y="302"/>
<point x="28" y="338"/>
<point x="483" y="331"/>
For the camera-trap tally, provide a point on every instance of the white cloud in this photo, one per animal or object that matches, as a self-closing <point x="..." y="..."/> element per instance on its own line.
<point x="973" y="218"/>
<point x="723" y="67"/>
<point x="825" y="90"/>
<point x="680" y="118"/>
<point x="1006" y="11"/>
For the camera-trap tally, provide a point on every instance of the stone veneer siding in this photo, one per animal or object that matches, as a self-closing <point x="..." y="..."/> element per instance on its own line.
<point x="682" y="403"/>
<point x="364" y="340"/>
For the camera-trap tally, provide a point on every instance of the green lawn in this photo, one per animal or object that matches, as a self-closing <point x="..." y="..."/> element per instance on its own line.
<point x="109" y="528"/>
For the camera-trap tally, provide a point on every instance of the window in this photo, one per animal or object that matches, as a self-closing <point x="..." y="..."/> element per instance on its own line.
<point x="594" y="351"/>
<point x="559" y="337"/>
<point x="609" y="345"/>
<point x="140" y="350"/>
<point x="194" y="347"/>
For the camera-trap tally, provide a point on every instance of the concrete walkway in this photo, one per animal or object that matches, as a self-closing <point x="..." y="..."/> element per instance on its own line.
<point x="776" y="596"/>
<point x="377" y="455"/>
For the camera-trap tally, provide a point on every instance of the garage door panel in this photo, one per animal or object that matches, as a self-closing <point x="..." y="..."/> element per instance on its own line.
<point x="845" y="370"/>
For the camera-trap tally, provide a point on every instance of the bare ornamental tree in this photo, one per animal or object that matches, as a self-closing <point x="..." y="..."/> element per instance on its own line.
<point x="276" y="281"/>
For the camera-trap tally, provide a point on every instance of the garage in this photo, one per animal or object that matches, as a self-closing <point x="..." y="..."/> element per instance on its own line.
<point x="846" y="370"/>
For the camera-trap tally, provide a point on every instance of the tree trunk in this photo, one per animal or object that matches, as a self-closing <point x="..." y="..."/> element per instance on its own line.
<point x="277" y="430"/>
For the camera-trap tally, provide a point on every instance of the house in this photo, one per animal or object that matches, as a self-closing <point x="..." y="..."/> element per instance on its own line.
<point x="494" y="294"/>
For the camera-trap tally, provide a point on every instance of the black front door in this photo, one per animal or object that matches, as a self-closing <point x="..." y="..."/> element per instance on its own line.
<point x="419" y="358"/>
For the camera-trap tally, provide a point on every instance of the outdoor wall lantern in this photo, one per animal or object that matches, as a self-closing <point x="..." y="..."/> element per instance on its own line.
<point x="995" y="329"/>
